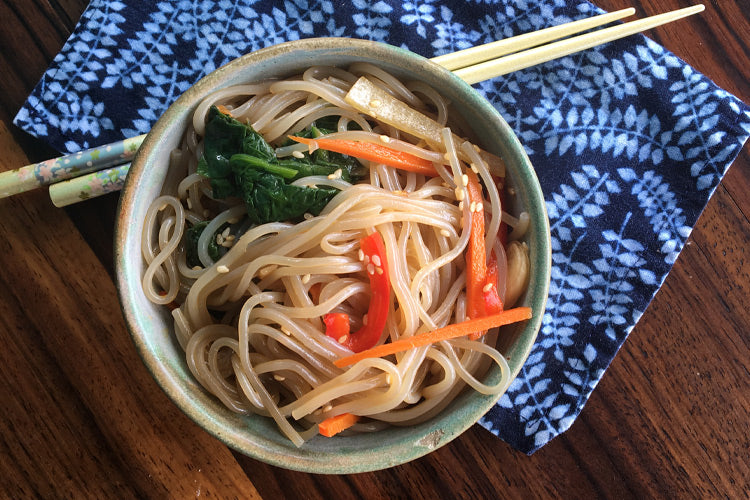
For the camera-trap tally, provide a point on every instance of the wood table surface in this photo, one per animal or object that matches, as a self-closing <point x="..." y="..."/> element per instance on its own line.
<point x="80" y="416"/>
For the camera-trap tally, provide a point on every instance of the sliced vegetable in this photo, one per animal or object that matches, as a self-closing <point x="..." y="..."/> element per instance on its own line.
<point x="333" y="425"/>
<point x="518" y="260"/>
<point x="493" y="304"/>
<point x="446" y="333"/>
<point x="337" y="325"/>
<point x="476" y="264"/>
<point x="376" y="264"/>
<point x="373" y="152"/>
<point x="368" y="98"/>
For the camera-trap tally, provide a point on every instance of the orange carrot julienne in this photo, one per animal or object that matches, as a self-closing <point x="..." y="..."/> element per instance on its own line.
<point x="446" y="333"/>
<point x="373" y="152"/>
<point x="224" y="110"/>
<point x="476" y="266"/>
<point x="333" y="425"/>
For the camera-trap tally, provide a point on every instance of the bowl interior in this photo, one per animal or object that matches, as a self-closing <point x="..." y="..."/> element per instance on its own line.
<point x="151" y="326"/>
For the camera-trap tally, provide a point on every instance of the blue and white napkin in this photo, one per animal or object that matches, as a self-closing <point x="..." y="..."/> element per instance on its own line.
<point x="628" y="141"/>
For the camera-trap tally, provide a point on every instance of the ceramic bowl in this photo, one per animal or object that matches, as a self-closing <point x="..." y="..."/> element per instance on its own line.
<point x="151" y="326"/>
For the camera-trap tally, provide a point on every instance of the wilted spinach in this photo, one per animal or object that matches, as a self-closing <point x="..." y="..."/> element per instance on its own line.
<point x="192" y="235"/>
<point x="239" y="162"/>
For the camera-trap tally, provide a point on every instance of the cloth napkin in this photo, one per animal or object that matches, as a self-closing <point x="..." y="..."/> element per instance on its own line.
<point x="628" y="142"/>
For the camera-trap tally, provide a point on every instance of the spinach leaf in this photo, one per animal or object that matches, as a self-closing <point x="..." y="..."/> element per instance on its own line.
<point x="192" y="235"/>
<point x="223" y="137"/>
<point x="239" y="162"/>
<point x="269" y="198"/>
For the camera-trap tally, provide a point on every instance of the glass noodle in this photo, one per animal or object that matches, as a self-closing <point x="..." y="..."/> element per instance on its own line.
<point x="251" y="323"/>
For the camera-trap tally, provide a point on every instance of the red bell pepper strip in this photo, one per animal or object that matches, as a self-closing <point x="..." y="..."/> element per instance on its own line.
<point x="337" y="325"/>
<point x="376" y="264"/>
<point x="492" y="302"/>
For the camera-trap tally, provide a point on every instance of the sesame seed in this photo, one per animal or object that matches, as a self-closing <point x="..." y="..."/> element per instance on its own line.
<point x="487" y="287"/>
<point x="327" y="408"/>
<point x="474" y="168"/>
<point x="233" y="220"/>
<point x="361" y="255"/>
<point x="308" y="216"/>
<point x="375" y="103"/>
<point x="219" y="239"/>
<point x="189" y="204"/>
<point x="197" y="268"/>
<point x="335" y="175"/>
<point x="446" y="157"/>
<point x="460" y="194"/>
<point x="298" y="154"/>
<point x="385" y="139"/>
<point x="376" y="260"/>
<point x="229" y="238"/>
<point x="479" y="207"/>
<point x="476" y="148"/>
<point x="163" y="206"/>
<point x="305" y="279"/>
<point x="445" y="232"/>
<point x="280" y="378"/>
<point x="366" y="259"/>
<point x="317" y="412"/>
<point x="342" y="339"/>
<point x="227" y="243"/>
<point x="286" y="332"/>
<point x="364" y="319"/>
<point x="225" y="233"/>
<point x="465" y="180"/>
<point x="370" y="269"/>
<point x="461" y="206"/>
<point x="473" y="206"/>
<point x="379" y="270"/>
<point x="222" y="269"/>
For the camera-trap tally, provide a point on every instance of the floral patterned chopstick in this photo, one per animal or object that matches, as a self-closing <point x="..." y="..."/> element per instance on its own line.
<point x="67" y="167"/>
<point x="88" y="186"/>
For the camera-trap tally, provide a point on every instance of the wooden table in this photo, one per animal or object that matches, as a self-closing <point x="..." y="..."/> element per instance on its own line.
<point x="81" y="417"/>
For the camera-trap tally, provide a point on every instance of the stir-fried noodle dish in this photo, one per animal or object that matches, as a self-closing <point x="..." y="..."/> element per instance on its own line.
<point x="334" y="252"/>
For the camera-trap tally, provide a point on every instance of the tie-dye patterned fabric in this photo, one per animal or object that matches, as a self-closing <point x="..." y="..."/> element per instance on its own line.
<point x="628" y="141"/>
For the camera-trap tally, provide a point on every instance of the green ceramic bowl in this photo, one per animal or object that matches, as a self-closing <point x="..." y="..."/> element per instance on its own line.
<point x="151" y="326"/>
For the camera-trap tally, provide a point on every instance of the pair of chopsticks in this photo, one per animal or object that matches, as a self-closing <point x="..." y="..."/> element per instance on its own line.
<point x="80" y="176"/>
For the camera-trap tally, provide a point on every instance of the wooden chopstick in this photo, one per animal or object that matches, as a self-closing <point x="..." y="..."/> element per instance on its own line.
<point x="101" y="170"/>
<point x="520" y="60"/>
<point x="481" y="53"/>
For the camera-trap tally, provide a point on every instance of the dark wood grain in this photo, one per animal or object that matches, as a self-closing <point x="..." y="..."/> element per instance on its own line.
<point x="81" y="416"/>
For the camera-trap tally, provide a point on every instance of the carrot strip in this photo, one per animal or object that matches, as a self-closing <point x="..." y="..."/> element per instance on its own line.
<point x="476" y="266"/>
<point x="446" y="333"/>
<point x="224" y="110"/>
<point x="373" y="152"/>
<point x="333" y="425"/>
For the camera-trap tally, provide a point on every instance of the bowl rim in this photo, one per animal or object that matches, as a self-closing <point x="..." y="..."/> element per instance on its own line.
<point x="434" y="433"/>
